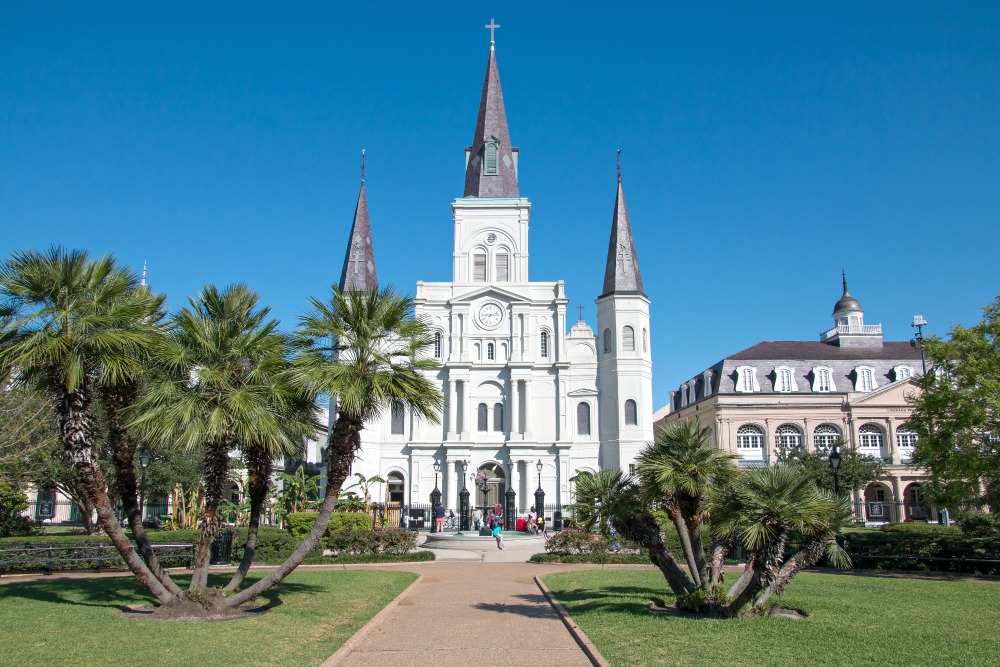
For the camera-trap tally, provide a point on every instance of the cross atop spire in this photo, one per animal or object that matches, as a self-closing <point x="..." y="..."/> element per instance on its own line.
<point x="491" y="166"/>
<point x="580" y="308"/>
<point x="619" y="165"/>
<point x="492" y="25"/>
<point x="362" y="166"/>
<point x="843" y="275"/>
<point x="143" y="283"/>
<point x="621" y="273"/>
<point x="359" y="273"/>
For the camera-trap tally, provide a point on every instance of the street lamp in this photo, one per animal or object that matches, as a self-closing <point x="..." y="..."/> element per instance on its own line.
<point x="918" y="341"/>
<point x="834" y="461"/>
<point x="435" y="495"/>
<point x="510" y="510"/>
<point x="539" y="493"/>
<point x="144" y="458"/>
<point x="463" y="502"/>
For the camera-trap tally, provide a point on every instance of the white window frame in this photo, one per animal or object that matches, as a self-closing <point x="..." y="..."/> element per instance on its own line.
<point x="784" y="379"/>
<point x="586" y="409"/>
<point x="543" y="344"/>
<point x="865" y="379"/>
<point x="750" y="441"/>
<point x="707" y="375"/>
<point x="746" y="380"/>
<point x="902" y="372"/>
<point x="787" y="437"/>
<point x="437" y="344"/>
<point x="505" y="277"/>
<point x="871" y="437"/>
<point x="818" y="386"/>
<point x="823" y="440"/>
<point x="628" y="339"/>
<point x="491" y="352"/>
<point x="635" y="412"/>
<point x="906" y="441"/>
<point x="486" y="264"/>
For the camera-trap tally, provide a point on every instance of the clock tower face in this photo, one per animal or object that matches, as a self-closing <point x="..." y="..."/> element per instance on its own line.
<point x="490" y="315"/>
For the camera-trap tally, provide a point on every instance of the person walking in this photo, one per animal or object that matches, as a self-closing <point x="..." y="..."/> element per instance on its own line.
<point x="477" y="516"/>
<point x="439" y="517"/>
<point x="498" y="534"/>
<point x="532" y="521"/>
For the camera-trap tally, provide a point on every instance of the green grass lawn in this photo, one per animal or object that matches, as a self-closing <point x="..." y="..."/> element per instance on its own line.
<point x="853" y="620"/>
<point x="78" y="622"/>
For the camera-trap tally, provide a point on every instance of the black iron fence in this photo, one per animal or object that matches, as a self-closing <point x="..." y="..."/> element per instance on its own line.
<point x="32" y="557"/>
<point x="885" y="511"/>
<point x="68" y="512"/>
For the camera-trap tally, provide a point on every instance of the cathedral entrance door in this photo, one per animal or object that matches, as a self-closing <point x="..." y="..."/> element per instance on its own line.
<point x="491" y="484"/>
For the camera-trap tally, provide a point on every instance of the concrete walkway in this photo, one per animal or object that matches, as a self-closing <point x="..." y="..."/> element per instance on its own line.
<point x="474" y="605"/>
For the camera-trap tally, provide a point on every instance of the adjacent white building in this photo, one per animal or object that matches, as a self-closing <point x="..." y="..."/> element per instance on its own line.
<point x="522" y="382"/>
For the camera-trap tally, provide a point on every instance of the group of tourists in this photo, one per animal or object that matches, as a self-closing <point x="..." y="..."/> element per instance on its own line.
<point x="492" y="520"/>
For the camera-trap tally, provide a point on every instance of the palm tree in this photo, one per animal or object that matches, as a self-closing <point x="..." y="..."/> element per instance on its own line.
<point x="72" y="328"/>
<point x="606" y="494"/>
<point x="771" y="510"/>
<point x="679" y="471"/>
<point x="367" y="352"/>
<point x="299" y="488"/>
<point x="225" y="384"/>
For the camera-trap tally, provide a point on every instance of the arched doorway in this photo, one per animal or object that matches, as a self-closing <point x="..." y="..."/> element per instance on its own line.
<point x="914" y="504"/>
<point x="491" y="484"/>
<point x="878" y="503"/>
<point x="395" y="488"/>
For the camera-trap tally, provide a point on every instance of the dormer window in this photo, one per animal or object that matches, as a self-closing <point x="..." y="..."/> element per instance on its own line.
<point x="490" y="158"/>
<point x="746" y="380"/>
<point x="902" y="372"/>
<point x="823" y="379"/>
<point x="784" y="379"/>
<point x="865" y="379"/>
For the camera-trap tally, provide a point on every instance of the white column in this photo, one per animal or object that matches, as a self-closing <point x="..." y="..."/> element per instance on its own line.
<point x="450" y="488"/>
<point x="527" y="409"/>
<point x="452" y="407"/>
<point x="515" y="483"/>
<point x="515" y="410"/>
<point x="466" y="406"/>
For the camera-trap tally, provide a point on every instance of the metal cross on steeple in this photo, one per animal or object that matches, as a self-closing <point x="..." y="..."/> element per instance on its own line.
<point x="619" y="165"/>
<point x="580" y="308"/>
<point x="492" y="25"/>
<point x="362" y="166"/>
<point x="358" y="259"/>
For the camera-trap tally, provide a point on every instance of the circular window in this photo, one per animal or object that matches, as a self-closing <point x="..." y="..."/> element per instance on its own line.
<point x="491" y="238"/>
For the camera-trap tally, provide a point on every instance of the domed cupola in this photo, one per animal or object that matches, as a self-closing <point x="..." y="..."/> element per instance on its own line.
<point x="848" y="311"/>
<point x="849" y="328"/>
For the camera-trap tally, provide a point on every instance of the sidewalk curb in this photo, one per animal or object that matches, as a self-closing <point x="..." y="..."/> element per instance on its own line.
<point x="349" y="645"/>
<point x="588" y="647"/>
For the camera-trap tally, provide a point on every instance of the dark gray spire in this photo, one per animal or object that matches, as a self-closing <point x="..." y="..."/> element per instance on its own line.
<point x="621" y="273"/>
<point x="491" y="171"/>
<point x="846" y="302"/>
<point x="359" y="263"/>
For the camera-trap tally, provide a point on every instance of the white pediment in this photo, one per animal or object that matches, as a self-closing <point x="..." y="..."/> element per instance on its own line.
<point x="895" y="393"/>
<point x="493" y="291"/>
<point x="583" y="392"/>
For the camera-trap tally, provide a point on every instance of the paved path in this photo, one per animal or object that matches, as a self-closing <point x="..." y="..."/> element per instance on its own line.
<point x="462" y="604"/>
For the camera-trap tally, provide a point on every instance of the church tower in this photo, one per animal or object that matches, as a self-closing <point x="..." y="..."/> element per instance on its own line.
<point x="624" y="368"/>
<point x="359" y="273"/>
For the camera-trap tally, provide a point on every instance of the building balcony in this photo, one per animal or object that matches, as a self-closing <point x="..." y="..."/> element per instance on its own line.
<point x="851" y="329"/>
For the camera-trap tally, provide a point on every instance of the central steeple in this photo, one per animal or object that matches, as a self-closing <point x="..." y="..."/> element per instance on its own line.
<point x="621" y="273"/>
<point x="491" y="162"/>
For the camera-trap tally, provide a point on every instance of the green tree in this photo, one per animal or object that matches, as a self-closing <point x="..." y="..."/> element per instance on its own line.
<point x="856" y="470"/>
<point x="600" y="496"/>
<point x="367" y="351"/>
<point x="13" y="504"/>
<point x="957" y="415"/>
<point x="298" y="489"/>
<point x="74" y="328"/>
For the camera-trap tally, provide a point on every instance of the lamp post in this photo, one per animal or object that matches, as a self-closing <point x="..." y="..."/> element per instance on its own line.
<point x="539" y="493"/>
<point x="834" y="461"/>
<point x="435" y="495"/>
<point x="918" y="341"/>
<point x="144" y="458"/>
<point x="463" y="503"/>
<point x="510" y="511"/>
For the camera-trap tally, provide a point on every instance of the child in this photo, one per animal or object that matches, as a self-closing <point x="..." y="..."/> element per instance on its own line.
<point x="497" y="534"/>
<point x="541" y="528"/>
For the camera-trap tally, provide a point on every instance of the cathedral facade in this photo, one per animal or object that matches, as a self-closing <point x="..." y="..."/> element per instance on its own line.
<point x="531" y="398"/>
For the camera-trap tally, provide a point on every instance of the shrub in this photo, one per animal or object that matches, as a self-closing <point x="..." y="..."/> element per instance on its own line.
<point x="12" y="522"/>
<point x="300" y="523"/>
<point x="980" y="524"/>
<point x="392" y="541"/>
<point x="603" y="558"/>
<point x="577" y="541"/>
<point x="945" y="550"/>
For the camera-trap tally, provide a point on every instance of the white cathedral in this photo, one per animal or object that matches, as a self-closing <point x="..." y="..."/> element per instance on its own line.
<point x="520" y="391"/>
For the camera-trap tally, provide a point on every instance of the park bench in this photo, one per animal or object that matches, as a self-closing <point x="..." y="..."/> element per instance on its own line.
<point x="101" y="555"/>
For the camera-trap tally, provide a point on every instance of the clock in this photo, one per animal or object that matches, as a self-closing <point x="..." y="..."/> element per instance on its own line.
<point x="490" y="315"/>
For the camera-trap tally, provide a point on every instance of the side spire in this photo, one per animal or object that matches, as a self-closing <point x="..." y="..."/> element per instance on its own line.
<point x="491" y="167"/>
<point x="621" y="273"/>
<point x="143" y="283"/>
<point x="359" y="273"/>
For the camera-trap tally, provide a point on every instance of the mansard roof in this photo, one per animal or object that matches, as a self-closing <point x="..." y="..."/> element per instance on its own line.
<point x="491" y="126"/>
<point x="807" y="350"/>
<point x="621" y="273"/>
<point x="359" y="273"/>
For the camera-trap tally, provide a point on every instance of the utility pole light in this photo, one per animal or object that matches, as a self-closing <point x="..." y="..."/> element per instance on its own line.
<point x="144" y="458"/>
<point x="918" y="341"/>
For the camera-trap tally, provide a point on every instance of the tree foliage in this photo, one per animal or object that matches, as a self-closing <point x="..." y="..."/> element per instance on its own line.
<point x="957" y="416"/>
<point x="856" y="470"/>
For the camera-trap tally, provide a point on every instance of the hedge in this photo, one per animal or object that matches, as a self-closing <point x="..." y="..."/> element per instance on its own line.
<point x="300" y="523"/>
<point x="392" y="541"/>
<point x="348" y="559"/>
<point x="895" y="547"/>
<point x="603" y="558"/>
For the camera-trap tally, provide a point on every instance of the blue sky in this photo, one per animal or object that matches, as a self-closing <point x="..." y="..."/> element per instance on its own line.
<point x="763" y="148"/>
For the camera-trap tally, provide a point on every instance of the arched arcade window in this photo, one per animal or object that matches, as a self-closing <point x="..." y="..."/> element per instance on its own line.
<point x="628" y="339"/>
<point x="583" y="419"/>
<point x="631" y="413"/>
<point x="498" y="417"/>
<point x="483" y="417"/>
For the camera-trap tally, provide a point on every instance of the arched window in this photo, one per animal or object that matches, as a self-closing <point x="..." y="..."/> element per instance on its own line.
<point x="823" y="379"/>
<point x="498" y="417"/>
<point x="825" y="435"/>
<point x="645" y="341"/>
<point x="870" y="440"/>
<point x="865" y="379"/>
<point x="398" y="418"/>
<point x="491" y="353"/>
<point x="396" y="487"/>
<point x="784" y="379"/>
<point x="482" y="423"/>
<point x="437" y="344"/>
<point x="628" y="339"/>
<point x="503" y="267"/>
<point x="631" y="416"/>
<point x="479" y="267"/>
<point x="544" y="344"/>
<point x="583" y="419"/>
<point x="749" y="436"/>
<point x="607" y="341"/>
<point x="787" y="437"/>
<point x="906" y="440"/>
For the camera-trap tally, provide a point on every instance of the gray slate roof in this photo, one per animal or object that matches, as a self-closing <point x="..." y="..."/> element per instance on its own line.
<point x="491" y="123"/>
<point x="806" y="350"/>
<point x="621" y="273"/>
<point x="359" y="264"/>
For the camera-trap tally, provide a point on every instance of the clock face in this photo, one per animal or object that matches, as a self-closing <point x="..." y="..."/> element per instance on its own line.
<point x="490" y="315"/>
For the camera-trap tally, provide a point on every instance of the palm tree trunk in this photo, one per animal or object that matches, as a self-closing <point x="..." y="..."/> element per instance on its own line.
<point x="216" y="468"/>
<point x="809" y="555"/>
<point x="259" y="476"/>
<point x="343" y="444"/>
<point x="644" y="530"/>
<point x="700" y="563"/>
<point x="76" y="431"/>
<point x="685" y="537"/>
<point x="123" y="451"/>
<point x="719" y="551"/>
<point x="745" y="588"/>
